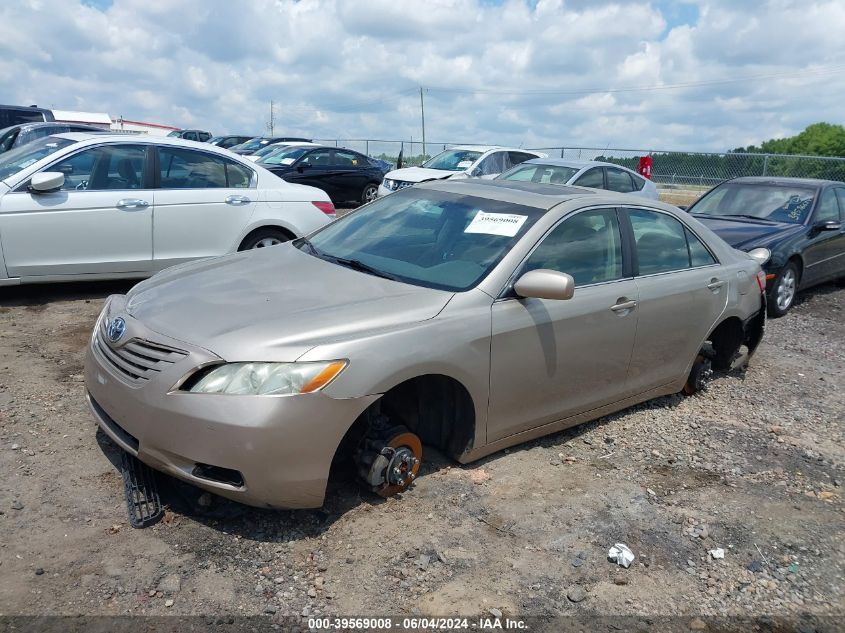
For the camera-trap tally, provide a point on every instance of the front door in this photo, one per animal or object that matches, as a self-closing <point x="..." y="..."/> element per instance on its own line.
<point x="553" y="359"/>
<point x="316" y="169"/>
<point x="203" y="204"/>
<point x="824" y="254"/>
<point x="99" y="222"/>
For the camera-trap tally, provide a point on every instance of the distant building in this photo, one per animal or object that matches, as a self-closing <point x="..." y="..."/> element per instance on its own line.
<point x="140" y="127"/>
<point x="97" y="119"/>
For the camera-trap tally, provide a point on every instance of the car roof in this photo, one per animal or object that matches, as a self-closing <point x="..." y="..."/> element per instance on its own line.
<point x="43" y="124"/>
<point x="487" y="148"/>
<point x="540" y="196"/>
<point x="79" y="137"/>
<point x="569" y="162"/>
<point x="785" y="180"/>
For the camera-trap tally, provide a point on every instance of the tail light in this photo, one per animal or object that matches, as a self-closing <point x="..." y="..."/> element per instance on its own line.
<point x="761" y="281"/>
<point x="325" y="207"/>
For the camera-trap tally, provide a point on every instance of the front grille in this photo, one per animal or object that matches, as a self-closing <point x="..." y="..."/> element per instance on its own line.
<point x="139" y="359"/>
<point x="401" y="184"/>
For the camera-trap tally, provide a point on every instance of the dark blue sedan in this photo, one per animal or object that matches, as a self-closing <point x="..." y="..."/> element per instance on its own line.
<point x="793" y="226"/>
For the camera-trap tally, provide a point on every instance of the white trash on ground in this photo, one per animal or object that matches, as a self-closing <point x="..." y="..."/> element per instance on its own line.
<point x="717" y="553"/>
<point x="621" y="555"/>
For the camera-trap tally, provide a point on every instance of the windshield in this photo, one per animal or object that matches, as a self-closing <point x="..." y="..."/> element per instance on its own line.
<point x="175" y="133"/>
<point x="427" y="238"/>
<point x="283" y="156"/>
<point x="269" y="149"/>
<point x="22" y="157"/>
<point x="777" y="203"/>
<point x="254" y="144"/>
<point x="216" y="140"/>
<point x="548" y="174"/>
<point x="453" y="160"/>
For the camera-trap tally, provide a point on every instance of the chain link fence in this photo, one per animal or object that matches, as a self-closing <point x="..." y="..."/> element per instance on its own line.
<point x="681" y="177"/>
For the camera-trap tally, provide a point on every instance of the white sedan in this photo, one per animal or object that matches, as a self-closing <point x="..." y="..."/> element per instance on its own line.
<point x="583" y="173"/>
<point x="98" y="206"/>
<point x="461" y="161"/>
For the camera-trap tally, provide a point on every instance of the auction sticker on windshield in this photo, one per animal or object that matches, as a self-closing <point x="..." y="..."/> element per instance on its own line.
<point x="507" y="224"/>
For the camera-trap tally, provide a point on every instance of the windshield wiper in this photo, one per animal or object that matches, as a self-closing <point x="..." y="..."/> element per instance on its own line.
<point x="733" y="215"/>
<point x="357" y="264"/>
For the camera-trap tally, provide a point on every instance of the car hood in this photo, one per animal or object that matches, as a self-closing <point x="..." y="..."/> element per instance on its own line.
<point x="747" y="234"/>
<point x="275" y="304"/>
<point x="419" y="174"/>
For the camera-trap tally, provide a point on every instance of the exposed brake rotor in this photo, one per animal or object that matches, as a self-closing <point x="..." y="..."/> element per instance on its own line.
<point x="389" y="459"/>
<point x="700" y="375"/>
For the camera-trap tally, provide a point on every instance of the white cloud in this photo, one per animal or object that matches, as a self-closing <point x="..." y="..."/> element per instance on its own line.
<point x="349" y="68"/>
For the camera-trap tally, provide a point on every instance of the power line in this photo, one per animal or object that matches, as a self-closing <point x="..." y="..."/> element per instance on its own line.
<point x="692" y="84"/>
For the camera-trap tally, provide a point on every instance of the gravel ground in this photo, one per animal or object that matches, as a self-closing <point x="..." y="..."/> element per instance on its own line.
<point x="753" y="467"/>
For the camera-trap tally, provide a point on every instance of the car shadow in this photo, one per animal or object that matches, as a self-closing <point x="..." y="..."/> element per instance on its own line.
<point x="43" y="294"/>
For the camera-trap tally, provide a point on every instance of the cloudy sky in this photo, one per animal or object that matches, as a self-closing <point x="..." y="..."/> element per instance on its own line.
<point x="709" y="75"/>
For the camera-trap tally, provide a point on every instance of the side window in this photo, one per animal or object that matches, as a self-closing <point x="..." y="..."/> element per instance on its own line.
<point x="493" y="164"/>
<point x="587" y="246"/>
<point x="190" y="169"/>
<point x="319" y="158"/>
<point x="639" y="182"/>
<point x="104" y="168"/>
<point x="698" y="253"/>
<point x="828" y="208"/>
<point x="618" y="180"/>
<point x="519" y="157"/>
<point x="661" y="242"/>
<point x="592" y="178"/>
<point x="840" y="196"/>
<point x="349" y="159"/>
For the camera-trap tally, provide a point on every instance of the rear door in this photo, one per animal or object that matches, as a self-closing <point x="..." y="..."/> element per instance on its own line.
<point x="100" y="221"/>
<point x="682" y="292"/>
<point x="203" y="202"/>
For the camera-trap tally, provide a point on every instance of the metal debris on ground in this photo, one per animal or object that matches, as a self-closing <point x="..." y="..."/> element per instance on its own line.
<point x="621" y="555"/>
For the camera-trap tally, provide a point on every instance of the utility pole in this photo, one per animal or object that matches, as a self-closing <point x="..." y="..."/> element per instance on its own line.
<point x="422" y="115"/>
<point x="272" y="122"/>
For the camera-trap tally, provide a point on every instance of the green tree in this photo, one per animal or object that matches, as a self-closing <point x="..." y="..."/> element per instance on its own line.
<point x="818" y="139"/>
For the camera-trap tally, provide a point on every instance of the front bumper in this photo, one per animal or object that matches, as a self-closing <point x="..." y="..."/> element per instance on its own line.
<point x="282" y="446"/>
<point x="383" y="191"/>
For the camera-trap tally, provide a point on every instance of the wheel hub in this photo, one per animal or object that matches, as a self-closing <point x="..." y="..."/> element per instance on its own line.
<point x="388" y="460"/>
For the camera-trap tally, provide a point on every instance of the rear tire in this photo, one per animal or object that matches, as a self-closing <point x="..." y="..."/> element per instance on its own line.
<point x="784" y="291"/>
<point x="262" y="238"/>
<point x="369" y="194"/>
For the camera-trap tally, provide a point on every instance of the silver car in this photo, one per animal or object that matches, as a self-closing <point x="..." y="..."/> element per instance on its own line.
<point x="583" y="173"/>
<point x="464" y="315"/>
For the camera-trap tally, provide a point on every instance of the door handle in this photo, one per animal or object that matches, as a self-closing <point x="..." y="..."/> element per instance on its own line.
<point x="132" y="204"/>
<point x="237" y="200"/>
<point x="715" y="283"/>
<point x="623" y="305"/>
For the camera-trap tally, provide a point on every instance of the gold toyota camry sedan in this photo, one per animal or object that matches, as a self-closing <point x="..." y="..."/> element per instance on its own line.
<point x="464" y="315"/>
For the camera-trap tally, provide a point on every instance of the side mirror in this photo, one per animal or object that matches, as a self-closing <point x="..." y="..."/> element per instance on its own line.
<point x="47" y="182"/>
<point x="827" y="225"/>
<point x="302" y="167"/>
<point x="683" y="207"/>
<point x="545" y="284"/>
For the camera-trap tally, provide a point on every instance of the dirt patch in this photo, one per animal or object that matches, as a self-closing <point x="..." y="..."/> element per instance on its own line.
<point x="754" y="466"/>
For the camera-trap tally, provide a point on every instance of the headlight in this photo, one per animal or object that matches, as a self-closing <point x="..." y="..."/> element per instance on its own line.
<point x="266" y="379"/>
<point x="388" y="184"/>
<point x="760" y="255"/>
